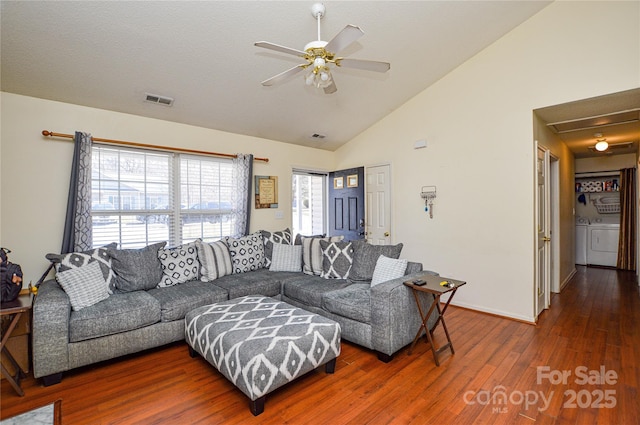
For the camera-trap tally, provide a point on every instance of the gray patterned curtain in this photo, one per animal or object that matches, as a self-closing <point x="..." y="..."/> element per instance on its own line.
<point x="627" y="239"/>
<point x="242" y="176"/>
<point x="77" y="227"/>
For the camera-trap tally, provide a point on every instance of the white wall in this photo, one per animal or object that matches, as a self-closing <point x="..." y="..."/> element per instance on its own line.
<point x="35" y="170"/>
<point x="478" y="123"/>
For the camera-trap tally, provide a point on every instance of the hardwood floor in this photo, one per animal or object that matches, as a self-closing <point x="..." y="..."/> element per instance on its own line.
<point x="503" y="372"/>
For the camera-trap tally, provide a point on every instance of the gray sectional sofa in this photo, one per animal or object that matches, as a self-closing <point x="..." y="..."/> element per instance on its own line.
<point x="383" y="318"/>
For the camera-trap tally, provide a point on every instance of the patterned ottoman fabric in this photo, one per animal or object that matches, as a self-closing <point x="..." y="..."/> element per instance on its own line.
<point x="259" y="343"/>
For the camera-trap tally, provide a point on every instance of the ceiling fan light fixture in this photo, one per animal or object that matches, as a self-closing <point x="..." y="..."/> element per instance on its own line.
<point x="602" y="145"/>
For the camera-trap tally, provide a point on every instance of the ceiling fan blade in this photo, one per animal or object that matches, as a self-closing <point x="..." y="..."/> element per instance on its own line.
<point x="363" y="64"/>
<point x="279" y="48"/>
<point x="331" y="88"/>
<point x="283" y="76"/>
<point x="348" y="35"/>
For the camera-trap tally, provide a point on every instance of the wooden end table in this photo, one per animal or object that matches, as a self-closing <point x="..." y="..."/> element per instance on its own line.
<point x="15" y="309"/>
<point x="434" y="288"/>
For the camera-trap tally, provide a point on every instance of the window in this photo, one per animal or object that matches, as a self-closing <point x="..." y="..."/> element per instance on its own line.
<point x="308" y="202"/>
<point x="134" y="195"/>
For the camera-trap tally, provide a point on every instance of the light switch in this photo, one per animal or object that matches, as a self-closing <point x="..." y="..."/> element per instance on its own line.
<point x="279" y="215"/>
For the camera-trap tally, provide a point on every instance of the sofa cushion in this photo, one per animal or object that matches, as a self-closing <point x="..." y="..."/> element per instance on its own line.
<point x="308" y="290"/>
<point x="179" y="264"/>
<point x="72" y="260"/>
<point x="312" y="253"/>
<point x="257" y="282"/>
<point x="271" y="238"/>
<point x="286" y="258"/>
<point x="388" y="269"/>
<point x="137" y="269"/>
<point x="365" y="257"/>
<point x="85" y="286"/>
<point x="247" y="252"/>
<point x="337" y="259"/>
<point x="176" y="301"/>
<point x="118" y="313"/>
<point x="353" y="302"/>
<point x="215" y="260"/>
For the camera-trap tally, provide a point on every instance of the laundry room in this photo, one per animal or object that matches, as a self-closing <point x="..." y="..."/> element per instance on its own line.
<point x="598" y="208"/>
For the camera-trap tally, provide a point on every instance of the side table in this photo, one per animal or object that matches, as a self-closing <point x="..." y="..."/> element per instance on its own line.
<point x="433" y="288"/>
<point x="14" y="309"/>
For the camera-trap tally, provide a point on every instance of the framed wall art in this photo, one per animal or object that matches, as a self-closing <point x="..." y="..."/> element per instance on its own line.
<point x="338" y="182"/>
<point x="352" y="180"/>
<point x="266" y="189"/>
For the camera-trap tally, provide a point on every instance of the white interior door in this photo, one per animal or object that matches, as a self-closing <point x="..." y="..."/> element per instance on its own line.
<point x="378" y="205"/>
<point x="543" y="252"/>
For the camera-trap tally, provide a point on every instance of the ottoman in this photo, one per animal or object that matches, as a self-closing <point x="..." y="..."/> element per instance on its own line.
<point x="260" y="344"/>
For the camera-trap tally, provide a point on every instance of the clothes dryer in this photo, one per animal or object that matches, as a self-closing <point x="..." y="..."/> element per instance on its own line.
<point x="602" y="241"/>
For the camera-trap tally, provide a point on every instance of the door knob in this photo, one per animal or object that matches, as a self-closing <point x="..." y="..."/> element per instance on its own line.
<point x="386" y="234"/>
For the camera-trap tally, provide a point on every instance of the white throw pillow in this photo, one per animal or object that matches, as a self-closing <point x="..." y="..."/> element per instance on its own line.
<point x="286" y="258"/>
<point x="388" y="269"/>
<point x="85" y="286"/>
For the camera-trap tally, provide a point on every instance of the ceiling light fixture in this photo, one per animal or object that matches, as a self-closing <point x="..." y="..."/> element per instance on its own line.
<point x="601" y="142"/>
<point x="602" y="145"/>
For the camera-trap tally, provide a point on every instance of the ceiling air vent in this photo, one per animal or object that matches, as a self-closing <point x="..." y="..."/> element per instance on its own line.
<point x="158" y="100"/>
<point x="615" y="118"/>
<point x="318" y="136"/>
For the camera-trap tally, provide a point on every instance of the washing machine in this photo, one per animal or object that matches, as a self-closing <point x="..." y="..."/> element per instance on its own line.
<point x="602" y="241"/>
<point x="582" y="224"/>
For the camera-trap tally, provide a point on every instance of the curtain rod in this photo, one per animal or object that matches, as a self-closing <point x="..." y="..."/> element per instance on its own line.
<point x="144" y="145"/>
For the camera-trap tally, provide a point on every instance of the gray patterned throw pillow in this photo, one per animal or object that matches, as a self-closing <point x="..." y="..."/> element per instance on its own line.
<point x="74" y="260"/>
<point x="247" y="252"/>
<point x="179" y="264"/>
<point x="271" y="238"/>
<point x="312" y="253"/>
<point x="337" y="259"/>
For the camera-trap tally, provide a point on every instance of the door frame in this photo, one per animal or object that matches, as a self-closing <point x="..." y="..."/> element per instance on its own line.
<point x="552" y="213"/>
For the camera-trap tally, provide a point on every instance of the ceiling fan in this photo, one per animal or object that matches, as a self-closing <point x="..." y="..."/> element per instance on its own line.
<point x="320" y="54"/>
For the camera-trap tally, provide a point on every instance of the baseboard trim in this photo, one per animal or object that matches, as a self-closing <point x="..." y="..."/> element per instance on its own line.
<point x="502" y="315"/>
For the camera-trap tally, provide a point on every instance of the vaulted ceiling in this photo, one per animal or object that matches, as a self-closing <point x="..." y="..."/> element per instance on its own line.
<point x="110" y="54"/>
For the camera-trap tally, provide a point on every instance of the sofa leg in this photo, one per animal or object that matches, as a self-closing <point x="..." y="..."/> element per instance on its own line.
<point x="257" y="406"/>
<point x="53" y="379"/>
<point x="193" y="353"/>
<point x="384" y="357"/>
<point x="330" y="367"/>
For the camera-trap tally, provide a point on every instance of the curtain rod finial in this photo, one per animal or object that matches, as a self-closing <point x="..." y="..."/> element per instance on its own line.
<point x="46" y="133"/>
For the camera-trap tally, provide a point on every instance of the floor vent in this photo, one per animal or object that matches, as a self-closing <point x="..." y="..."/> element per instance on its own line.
<point x="159" y="100"/>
